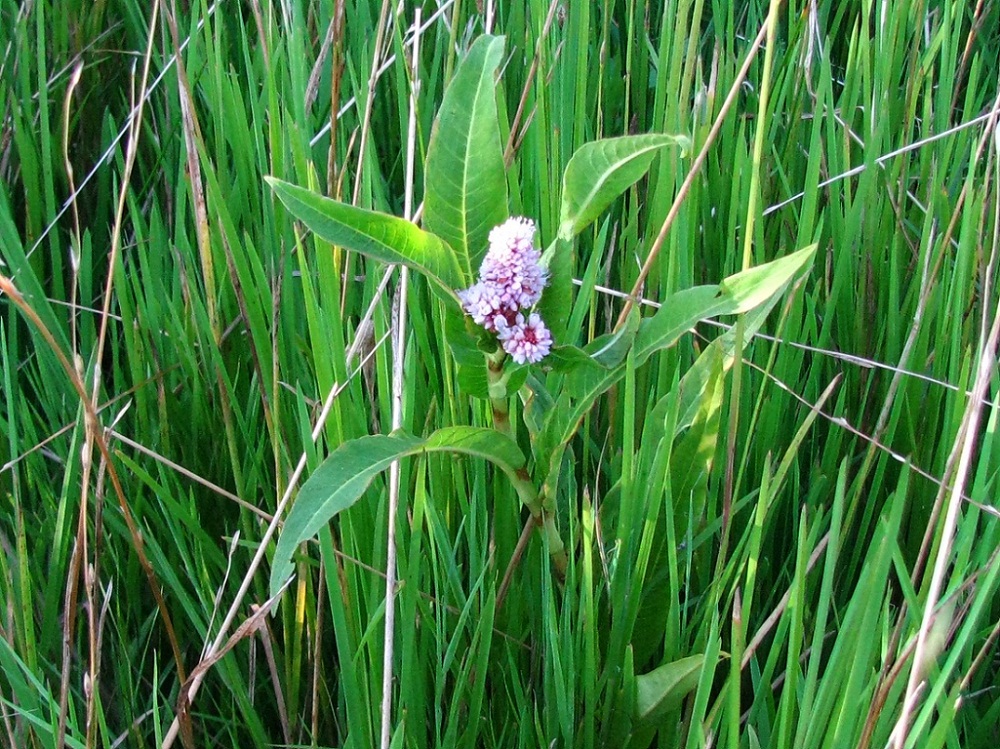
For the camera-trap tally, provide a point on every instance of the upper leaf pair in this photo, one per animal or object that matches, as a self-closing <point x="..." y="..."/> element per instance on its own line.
<point x="465" y="193"/>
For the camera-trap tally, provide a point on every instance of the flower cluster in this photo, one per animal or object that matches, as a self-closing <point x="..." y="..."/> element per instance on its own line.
<point x="511" y="280"/>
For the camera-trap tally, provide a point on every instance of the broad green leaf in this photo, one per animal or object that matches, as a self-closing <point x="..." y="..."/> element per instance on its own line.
<point x="463" y="336"/>
<point x="610" y="350"/>
<point x="376" y="235"/>
<point x="538" y="402"/>
<point x="465" y="190"/>
<point x="664" y="688"/>
<point x="601" y="171"/>
<point x="333" y="487"/>
<point x="473" y="380"/>
<point x="569" y="359"/>
<point x="696" y="381"/>
<point x="557" y="299"/>
<point x="737" y="294"/>
<point x="758" y="287"/>
<point x="596" y="175"/>
<point x="754" y="286"/>
<point x="677" y="315"/>
<point x="692" y="458"/>
<point x="592" y="363"/>
<point x="694" y="387"/>
<point x="342" y="478"/>
<point x="479" y="442"/>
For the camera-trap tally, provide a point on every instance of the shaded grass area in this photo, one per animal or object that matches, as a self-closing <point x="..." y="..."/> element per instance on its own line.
<point x="777" y="547"/>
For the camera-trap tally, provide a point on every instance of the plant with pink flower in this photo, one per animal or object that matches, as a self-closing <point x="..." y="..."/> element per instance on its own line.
<point x="466" y="191"/>
<point x="511" y="280"/>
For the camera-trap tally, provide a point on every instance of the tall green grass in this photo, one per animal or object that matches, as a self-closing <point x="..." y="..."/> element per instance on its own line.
<point x="776" y="558"/>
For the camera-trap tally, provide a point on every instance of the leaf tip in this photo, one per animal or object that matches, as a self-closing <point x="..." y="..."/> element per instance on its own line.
<point x="281" y="567"/>
<point x="279" y="576"/>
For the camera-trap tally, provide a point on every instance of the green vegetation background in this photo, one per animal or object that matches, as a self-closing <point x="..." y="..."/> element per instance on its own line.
<point x="776" y="557"/>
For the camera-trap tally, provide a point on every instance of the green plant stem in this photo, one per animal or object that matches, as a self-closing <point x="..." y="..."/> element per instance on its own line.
<point x="527" y="492"/>
<point x="557" y="551"/>
<point x="541" y="517"/>
<point x="498" y="393"/>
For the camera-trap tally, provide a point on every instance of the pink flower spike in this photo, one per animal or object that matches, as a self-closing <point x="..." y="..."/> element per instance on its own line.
<point x="486" y="302"/>
<point x="513" y="264"/>
<point x="511" y="279"/>
<point x="516" y="233"/>
<point x="526" y="342"/>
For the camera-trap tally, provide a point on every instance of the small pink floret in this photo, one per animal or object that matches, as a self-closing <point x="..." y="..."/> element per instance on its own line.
<point x="526" y="341"/>
<point x="485" y="301"/>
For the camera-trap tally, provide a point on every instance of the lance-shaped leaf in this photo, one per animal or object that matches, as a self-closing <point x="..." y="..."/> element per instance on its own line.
<point x="756" y="290"/>
<point x="342" y="478"/>
<point x="376" y="235"/>
<point x="557" y="301"/>
<point x="737" y="294"/>
<point x="601" y="171"/>
<point x="592" y="362"/>
<point x="663" y="688"/>
<point x="465" y="190"/>
<point x="478" y="442"/>
<point x="693" y="456"/>
<point x="596" y="175"/>
<point x="333" y="487"/>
